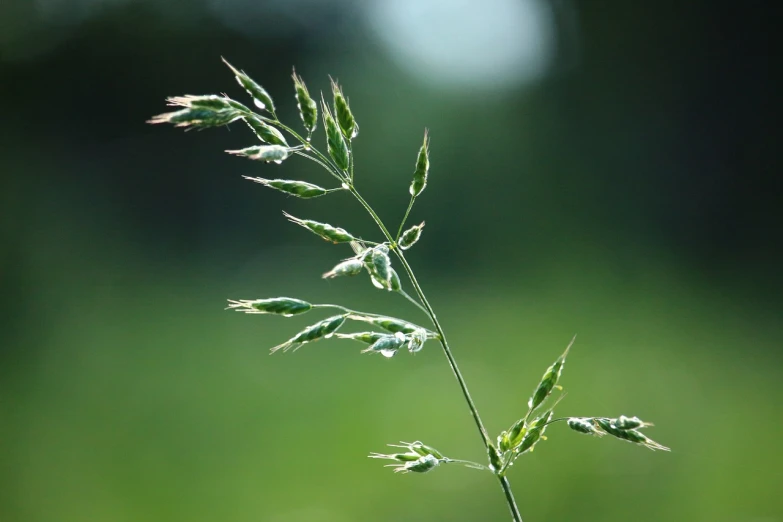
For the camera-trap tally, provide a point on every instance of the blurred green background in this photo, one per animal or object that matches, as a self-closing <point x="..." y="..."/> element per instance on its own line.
<point x="603" y="168"/>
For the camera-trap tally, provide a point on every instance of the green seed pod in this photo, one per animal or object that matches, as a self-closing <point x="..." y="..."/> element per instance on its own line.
<point x="629" y="435"/>
<point x="210" y="101"/>
<point x="320" y="330"/>
<point x="268" y="153"/>
<point x="197" y="117"/>
<point x="405" y="457"/>
<point x="584" y="425"/>
<point x="343" y="113"/>
<point x="324" y="230"/>
<point x="504" y="443"/>
<point x="300" y="189"/>
<point x="387" y="345"/>
<point x="422" y="168"/>
<point x="387" y="323"/>
<point x="308" y="109"/>
<point x="422" y="465"/>
<point x="264" y="132"/>
<point x="423" y="450"/>
<point x="495" y="463"/>
<point x="379" y="265"/>
<point x="549" y="380"/>
<point x="335" y="143"/>
<point x="410" y="236"/>
<point x="364" y="337"/>
<point x="516" y="433"/>
<point x="285" y="306"/>
<point x="606" y="425"/>
<point x="630" y="423"/>
<point x="349" y="267"/>
<point x="395" y="285"/>
<point x="533" y="433"/>
<point x="260" y="97"/>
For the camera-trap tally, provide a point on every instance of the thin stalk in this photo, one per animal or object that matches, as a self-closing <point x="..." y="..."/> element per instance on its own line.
<point x="316" y="160"/>
<point x="412" y="300"/>
<point x="405" y="218"/>
<point x="504" y="484"/>
<point x="512" y="505"/>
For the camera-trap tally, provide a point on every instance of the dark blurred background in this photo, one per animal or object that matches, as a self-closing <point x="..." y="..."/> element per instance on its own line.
<point x="609" y="169"/>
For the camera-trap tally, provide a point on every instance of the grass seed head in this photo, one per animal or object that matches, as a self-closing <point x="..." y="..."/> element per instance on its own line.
<point x="411" y="236"/>
<point x="285" y="306"/>
<point x="423" y="450"/>
<point x="419" y="458"/>
<point x="197" y="117"/>
<point x="630" y="423"/>
<point x="320" y="330"/>
<point x="533" y="433"/>
<point x="324" y="230"/>
<point x="260" y="97"/>
<point x="422" y="465"/>
<point x="265" y="132"/>
<point x="495" y="462"/>
<point x="422" y="168"/>
<point x="388" y="345"/>
<point x="364" y="337"/>
<point x="630" y="435"/>
<point x="516" y="433"/>
<point x="209" y="101"/>
<point x="549" y="380"/>
<point x="268" y="153"/>
<point x="349" y="267"/>
<point x="378" y="264"/>
<point x="504" y="442"/>
<point x="335" y="143"/>
<point x="395" y="285"/>
<point x="584" y="425"/>
<point x="343" y="112"/>
<point x="389" y="324"/>
<point x="308" y="109"/>
<point x="300" y="189"/>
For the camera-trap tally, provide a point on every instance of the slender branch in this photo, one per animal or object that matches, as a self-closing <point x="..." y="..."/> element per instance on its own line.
<point x="316" y="160"/>
<point x="405" y="218"/>
<point x="412" y="300"/>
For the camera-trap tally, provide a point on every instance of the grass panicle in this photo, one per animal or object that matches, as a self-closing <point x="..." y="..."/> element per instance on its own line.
<point x="385" y="335"/>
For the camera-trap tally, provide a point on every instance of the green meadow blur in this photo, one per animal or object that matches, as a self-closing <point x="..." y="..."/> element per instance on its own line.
<point x="629" y="196"/>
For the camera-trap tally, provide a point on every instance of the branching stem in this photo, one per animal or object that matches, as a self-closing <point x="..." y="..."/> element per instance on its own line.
<point x="504" y="484"/>
<point x="425" y="305"/>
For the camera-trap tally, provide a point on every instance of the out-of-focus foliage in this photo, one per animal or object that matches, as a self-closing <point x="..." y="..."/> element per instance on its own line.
<point x="627" y="193"/>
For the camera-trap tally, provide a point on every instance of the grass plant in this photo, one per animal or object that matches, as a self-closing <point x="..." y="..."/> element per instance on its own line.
<point x="377" y="333"/>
